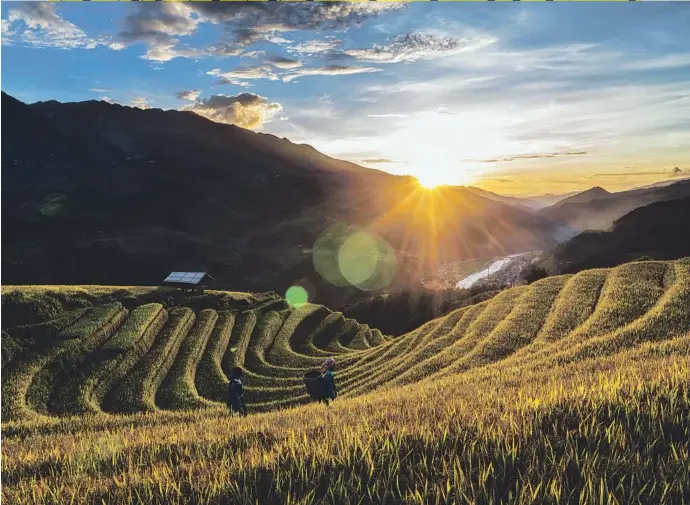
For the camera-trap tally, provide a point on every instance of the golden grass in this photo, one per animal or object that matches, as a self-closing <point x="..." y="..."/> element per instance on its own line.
<point x="573" y="390"/>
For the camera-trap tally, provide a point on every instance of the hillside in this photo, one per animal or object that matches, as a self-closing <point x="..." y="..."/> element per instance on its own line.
<point x="536" y="385"/>
<point x="659" y="230"/>
<point x="597" y="209"/>
<point x="120" y="195"/>
<point x="107" y="335"/>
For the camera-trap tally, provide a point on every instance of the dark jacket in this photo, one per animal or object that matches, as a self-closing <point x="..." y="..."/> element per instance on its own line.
<point x="329" y="379"/>
<point x="236" y="396"/>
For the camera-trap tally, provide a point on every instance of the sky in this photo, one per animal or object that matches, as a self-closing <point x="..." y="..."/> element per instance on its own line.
<point x="517" y="98"/>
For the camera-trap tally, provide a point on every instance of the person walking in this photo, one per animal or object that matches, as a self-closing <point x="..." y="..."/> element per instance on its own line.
<point x="236" y="393"/>
<point x="327" y="376"/>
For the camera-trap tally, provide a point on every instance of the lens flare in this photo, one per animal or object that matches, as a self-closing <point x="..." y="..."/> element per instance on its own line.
<point x="296" y="296"/>
<point x="345" y="256"/>
<point x="358" y="258"/>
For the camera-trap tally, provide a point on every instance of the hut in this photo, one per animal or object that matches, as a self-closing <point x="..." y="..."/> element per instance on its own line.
<point x="195" y="282"/>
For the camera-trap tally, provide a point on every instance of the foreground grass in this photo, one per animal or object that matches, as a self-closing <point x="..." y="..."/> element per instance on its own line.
<point x="574" y="390"/>
<point x="613" y="430"/>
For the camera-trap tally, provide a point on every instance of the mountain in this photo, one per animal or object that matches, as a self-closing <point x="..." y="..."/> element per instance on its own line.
<point x="595" y="193"/>
<point x="99" y="193"/>
<point x="659" y="230"/>
<point x="597" y="209"/>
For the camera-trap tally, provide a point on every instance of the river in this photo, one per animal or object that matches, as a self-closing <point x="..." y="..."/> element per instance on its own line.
<point x="493" y="267"/>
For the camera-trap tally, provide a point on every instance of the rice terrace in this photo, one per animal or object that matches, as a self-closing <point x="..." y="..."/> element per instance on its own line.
<point x="574" y="389"/>
<point x="345" y="253"/>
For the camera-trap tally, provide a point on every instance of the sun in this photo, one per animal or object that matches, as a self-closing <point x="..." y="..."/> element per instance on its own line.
<point x="430" y="180"/>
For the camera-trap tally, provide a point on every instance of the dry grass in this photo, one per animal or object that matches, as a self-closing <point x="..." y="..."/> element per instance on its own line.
<point x="574" y="390"/>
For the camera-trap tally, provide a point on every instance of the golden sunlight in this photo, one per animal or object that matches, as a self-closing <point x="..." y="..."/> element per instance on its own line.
<point x="431" y="179"/>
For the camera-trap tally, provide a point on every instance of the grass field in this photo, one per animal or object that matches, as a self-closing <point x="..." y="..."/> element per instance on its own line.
<point x="573" y="390"/>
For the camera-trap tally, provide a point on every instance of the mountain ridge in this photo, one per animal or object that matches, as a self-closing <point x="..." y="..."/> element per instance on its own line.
<point x="119" y="194"/>
<point x="659" y="230"/>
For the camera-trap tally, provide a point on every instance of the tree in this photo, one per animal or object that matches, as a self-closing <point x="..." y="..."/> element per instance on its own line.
<point x="534" y="273"/>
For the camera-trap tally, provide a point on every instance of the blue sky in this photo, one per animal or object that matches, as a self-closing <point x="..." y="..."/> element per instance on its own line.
<point x="518" y="98"/>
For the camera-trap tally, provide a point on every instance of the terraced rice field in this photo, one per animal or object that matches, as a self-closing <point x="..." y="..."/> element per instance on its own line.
<point x="575" y="389"/>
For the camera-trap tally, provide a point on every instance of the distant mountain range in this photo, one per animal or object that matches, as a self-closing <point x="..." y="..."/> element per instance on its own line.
<point x="597" y="209"/>
<point x="660" y="230"/>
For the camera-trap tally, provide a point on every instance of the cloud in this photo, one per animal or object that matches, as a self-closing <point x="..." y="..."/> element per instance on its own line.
<point x="253" y="54"/>
<point x="98" y="90"/>
<point x="415" y="46"/>
<point x="387" y="115"/>
<point x="108" y="100"/>
<point x="169" y="51"/>
<point x="328" y="70"/>
<point x="316" y="46"/>
<point x="240" y="76"/>
<point x="161" y="25"/>
<point x="284" y="63"/>
<point x="534" y="156"/>
<point x="39" y="25"/>
<point x="674" y="172"/>
<point x="249" y="21"/>
<point x="376" y="160"/>
<point x="190" y="95"/>
<point x="7" y="32"/>
<point x="246" y="109"/>
<point x="677" y="172"/>
<point x="140" y="102"/>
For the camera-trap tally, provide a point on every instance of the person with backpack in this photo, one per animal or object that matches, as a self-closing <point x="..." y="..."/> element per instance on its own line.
<point x="328" y="377"/>
<point x="236" y="393"/>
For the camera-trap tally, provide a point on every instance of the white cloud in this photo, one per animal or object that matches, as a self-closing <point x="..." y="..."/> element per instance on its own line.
<point x="417" y="45"/>
<point x="316" y="46"/>
<point x="246" y="109"/>
<point x="328" y="70"/>
<point x="140" y="102"/>
<point x="253" y="54"/>
<point x="240" y="76"/>
<point x="166" y="52"/>
<point x="38" y="24"/>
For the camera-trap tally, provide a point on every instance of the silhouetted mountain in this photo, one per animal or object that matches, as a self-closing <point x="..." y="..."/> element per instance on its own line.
<point x="595" y="193"/>
<point x="101" y="193"/>
<point x="597" y="209"/>
<point x="659" y="230"/>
